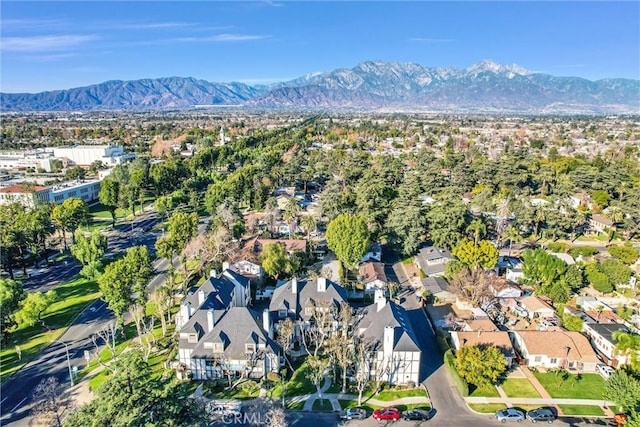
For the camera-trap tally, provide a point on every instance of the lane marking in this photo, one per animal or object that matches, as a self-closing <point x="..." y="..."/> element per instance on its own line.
<point x="18" y="405"/>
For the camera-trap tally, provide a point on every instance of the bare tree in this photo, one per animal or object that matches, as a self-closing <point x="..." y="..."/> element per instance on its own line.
<point x="319" y="329"/>
<point x="286" y="329"/>
<point x="222" y="362"/>
<point x="163" y="301"/>
<point x="473" y="285"/>
<point x="362" y="357"/>
<point x="48" y="400"/>
<point x="138" y="314"/>
<point x="317" y="367"/>
<point x="340" y="345"/>
<point x="107" y="336"/>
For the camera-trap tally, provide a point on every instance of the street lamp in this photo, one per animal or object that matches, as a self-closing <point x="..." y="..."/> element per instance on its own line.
<point x="66" y="349"/>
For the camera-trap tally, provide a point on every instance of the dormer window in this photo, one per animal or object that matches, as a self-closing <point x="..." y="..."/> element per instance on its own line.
<point x="249" y="348"/>
<point x="282" y="313"/>
<point x="193" y="338"/>
<point x="217" y="347"/>
<point x="308" y="311"/>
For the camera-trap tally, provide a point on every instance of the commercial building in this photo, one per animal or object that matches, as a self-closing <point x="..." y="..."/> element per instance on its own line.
<point x="84" y="155"/>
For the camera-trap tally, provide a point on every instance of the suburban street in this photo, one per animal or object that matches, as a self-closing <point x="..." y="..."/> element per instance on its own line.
<point x="16" y="391"/>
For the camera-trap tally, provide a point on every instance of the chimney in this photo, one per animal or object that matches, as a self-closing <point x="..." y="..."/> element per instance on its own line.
<point x="201" y="297"/>
<point x="188" y="310"/>
<point x="211" y="319"/>
<point x="225" y="266"/>
<point x="379" y="299"/>
<point x="266" y="323"/>
<point x="322" y="284"/>
<point x="294" y="286"/>
<point x="387" y="345"/>
<point x="213" y="273"/>
<point x="479" y="331"/>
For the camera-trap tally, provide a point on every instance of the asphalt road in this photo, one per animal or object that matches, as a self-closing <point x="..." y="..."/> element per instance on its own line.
<point x="15" y="394"/>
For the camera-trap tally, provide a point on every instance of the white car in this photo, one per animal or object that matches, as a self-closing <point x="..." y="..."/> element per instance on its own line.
<point x="604" y="370"/>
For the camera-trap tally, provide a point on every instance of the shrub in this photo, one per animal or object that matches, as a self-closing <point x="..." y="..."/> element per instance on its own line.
<point x="585" y="251"/>
<point x="559" y="247"/>
<point x="627" y="255"/>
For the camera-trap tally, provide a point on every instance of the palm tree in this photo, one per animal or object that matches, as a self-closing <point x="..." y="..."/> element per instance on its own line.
<point x="290" y="214"/>
<point x="628" y="344"/>
<point x="615" y="214"/>
<point x="308" y="224"/>
<point x="512" y="234"/>
<point x="478" y="228"/>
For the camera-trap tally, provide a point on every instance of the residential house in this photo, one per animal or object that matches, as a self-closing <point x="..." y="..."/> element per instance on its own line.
<point x="234" y="344"/>
<point x="296" y="300"/>
<point x="511" y="267"/>
<point x="371" y="275"/>
<point x="396" y="353"/>
<point x="482" y="325"/>
<point x="248" y="269"/>
<point x="504" y="289"/>
<point x="555" y="349"/>
<point x="499" y="339"/>
<point x="580" y="200"/>
<point x="374" y="253"/>
<point x="535" y="307"/>
<point x="291" y="245"/>
<point x="600" y="224"/>
<point x="432" y="260"/>
<point x="601" y="336"/>
<point x="439" y="288"/>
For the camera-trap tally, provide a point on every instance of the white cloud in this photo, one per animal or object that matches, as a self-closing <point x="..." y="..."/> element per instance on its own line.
<point x="44" y="43"/>
<point x="221" y="38"/>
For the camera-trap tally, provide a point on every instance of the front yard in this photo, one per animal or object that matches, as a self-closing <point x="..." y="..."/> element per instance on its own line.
<point x="581" y="410"/>
<point x="519" y="387"/>
<point x="489" y="391"/>
<point x="590" y="386"/>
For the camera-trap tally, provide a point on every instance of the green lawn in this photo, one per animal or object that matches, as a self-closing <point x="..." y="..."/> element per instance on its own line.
<point x="394" y="394"/>
<point x="74" y="296"/>
<point x="246" y="390"/>
<point x="487" y="408"/>
<point x="297" y="385"/>
<point x="489" y="391"/>
<point x="520" y="387"/>
<point x="581" y="410"/>
<point x="99" y="211"/>
<point x="295" y="406"/>
<point x="589" y="387"/>
<point x="322" y="405"/>
<point x="354" y="403"/>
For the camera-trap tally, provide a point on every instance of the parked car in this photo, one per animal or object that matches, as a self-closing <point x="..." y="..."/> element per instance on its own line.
<point x="225" y="412"/>
<point x="510" y="414"/>
<point x="353" y="414"/>
<point x="417" y="415"/>
<point x="541" y="414"/>
<point x="604" y="370"/>
<point x="386" y="414"/>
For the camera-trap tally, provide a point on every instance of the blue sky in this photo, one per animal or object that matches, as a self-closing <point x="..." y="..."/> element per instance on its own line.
<point x="58" y="45"/>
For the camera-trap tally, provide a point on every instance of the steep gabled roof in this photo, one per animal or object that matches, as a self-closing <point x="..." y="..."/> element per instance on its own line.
<point x="237" y="327"/>
<point x="392" y="315"/>
<point x="307" y="294"/>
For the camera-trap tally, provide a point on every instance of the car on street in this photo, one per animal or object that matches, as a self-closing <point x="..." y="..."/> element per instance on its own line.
<point x="417" y="415"/>
<point x="386" y="414"/>
<point x="353" y="414"/>
<point x="604" y="370"/>
<point x="510" y="414"/>
<point x="545" y="415"/>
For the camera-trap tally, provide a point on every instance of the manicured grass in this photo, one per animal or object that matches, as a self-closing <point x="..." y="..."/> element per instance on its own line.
<point x="246" y="390"/>
<point x="459" y="382"/>
<point x="487" y="408"/>
<point x="394" y="394"/>
<point x="100" y="211"/>
<point x="519" y="387"/>
<point x="581" y="410"/>
<point x="74" y="296"/>
<point x="297" y="385"/>
<point x="489" y="391"/>
<point x="322" y="405"/>
<point x="589" y="387"/>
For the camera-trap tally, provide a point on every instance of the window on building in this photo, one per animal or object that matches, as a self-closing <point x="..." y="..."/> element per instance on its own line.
<point x="553" y="361"/>
<point x="193" y="338"/>
<point x="282" y="313"/>
<point x="217" y="347"/>
<point x="250" y="347"/>
<point x="537" y="359"/>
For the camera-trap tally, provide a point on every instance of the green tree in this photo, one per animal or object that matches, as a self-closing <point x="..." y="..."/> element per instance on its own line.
<point x="625" y="254"/>
<point x="616" y="271"/>
<point x="601" y="198"/>
<point x="33" y="307"/>
<point x="275" y="259"/>
<point x="628" y="343"/>
<point x="447" y="221"/>
<point x="166" y="247"/>
<point x="348" y="237"/>
<point x="308" y="224"/>
<point x="572" y="323"/>
<point x="624" y="389"/>
<point x="133" y="396"/>
<point x="89" y="252"/>
<point x="478" y="228"/>
<point x="482" y="255"/>
<point x="182" y="227"/>
<point x="109" y="196"/>
<point x="11" y="294"/>
<point x="480" y="365"/>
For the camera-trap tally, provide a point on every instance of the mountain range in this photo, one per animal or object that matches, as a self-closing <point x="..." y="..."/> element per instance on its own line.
<point x="482" y="87"/>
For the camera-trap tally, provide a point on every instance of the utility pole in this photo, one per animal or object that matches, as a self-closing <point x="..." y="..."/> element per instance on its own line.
<point x="66" y="349"/>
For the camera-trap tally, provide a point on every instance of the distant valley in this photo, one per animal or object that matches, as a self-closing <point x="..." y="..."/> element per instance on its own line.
<point x="485" y="87"/>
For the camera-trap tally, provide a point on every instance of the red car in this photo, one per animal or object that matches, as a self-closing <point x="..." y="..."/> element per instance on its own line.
<point x="386" y="414"/>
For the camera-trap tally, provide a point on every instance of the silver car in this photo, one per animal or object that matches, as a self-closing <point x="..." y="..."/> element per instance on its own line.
<point x="353" y="414"/>
<point x="510" y="414"/>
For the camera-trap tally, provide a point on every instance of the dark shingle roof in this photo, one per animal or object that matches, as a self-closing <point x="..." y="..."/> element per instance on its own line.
<point x="394" y="316"/>
<point x="306" y="295"/>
